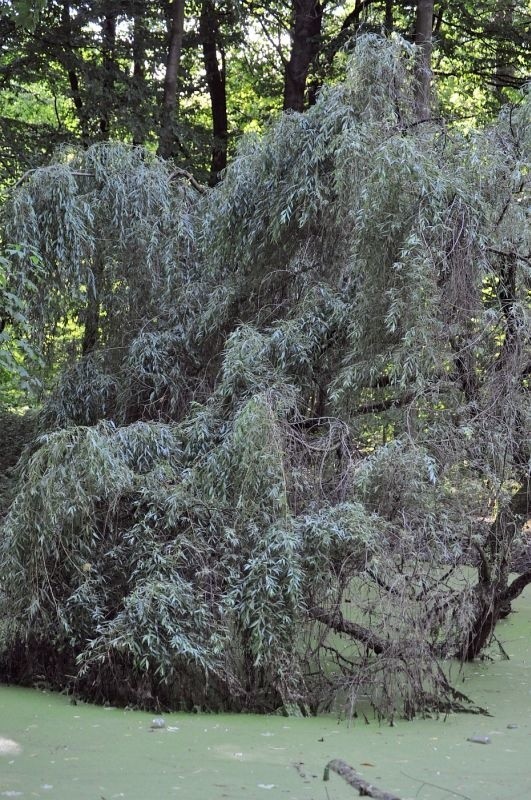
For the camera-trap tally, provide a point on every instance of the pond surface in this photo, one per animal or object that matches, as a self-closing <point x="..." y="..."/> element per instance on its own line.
<point x="86" y="752"/>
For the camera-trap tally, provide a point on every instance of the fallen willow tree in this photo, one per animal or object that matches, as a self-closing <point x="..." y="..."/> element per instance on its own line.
<point x="289" y="465"/>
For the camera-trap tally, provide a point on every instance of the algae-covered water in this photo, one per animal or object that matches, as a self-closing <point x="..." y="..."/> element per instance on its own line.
<point x="85" y="752"/>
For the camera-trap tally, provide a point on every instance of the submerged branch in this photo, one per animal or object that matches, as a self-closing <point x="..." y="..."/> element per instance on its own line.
<point x="355" y="780"/>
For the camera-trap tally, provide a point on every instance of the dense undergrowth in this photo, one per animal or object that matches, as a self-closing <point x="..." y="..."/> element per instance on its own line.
<point x="299" y="406"/>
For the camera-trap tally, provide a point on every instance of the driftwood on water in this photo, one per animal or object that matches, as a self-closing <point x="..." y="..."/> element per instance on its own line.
<point x="355" y="780"/>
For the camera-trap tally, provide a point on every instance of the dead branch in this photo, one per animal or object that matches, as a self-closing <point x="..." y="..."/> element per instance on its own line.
<point x="355" y="780"/>
<point x="182" y="173"/>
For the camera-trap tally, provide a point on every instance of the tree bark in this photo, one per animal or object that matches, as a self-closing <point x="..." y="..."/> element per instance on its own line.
<point x="169" y="98"/>
<point x="216" y="81"/>
<point x="423" y="40"/>
<point x="306" y="32"/>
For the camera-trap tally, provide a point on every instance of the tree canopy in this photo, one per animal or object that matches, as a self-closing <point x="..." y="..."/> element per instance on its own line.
<point x="288" y="459"/>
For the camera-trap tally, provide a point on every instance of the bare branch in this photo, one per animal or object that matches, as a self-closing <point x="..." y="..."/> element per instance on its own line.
<point x="336" y="621"/>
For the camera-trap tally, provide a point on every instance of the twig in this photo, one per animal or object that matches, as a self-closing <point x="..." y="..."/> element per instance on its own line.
<point x="434" y="785"/>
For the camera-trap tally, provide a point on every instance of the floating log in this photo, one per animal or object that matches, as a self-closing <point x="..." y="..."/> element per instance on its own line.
<point x="355" y="780"/>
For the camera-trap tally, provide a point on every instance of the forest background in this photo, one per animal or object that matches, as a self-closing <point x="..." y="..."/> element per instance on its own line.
<point x="266" y="373"/>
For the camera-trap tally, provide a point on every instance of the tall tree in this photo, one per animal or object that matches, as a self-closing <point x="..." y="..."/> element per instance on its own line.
<point x="169" y="97"/>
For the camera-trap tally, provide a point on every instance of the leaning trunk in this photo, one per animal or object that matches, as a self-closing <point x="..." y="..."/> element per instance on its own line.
<point x="68" y="60"/>
<point x="493" y="592"/>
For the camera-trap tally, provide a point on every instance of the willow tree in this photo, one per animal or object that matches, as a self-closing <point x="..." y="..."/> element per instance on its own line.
<point x="346" y="349"/>
<point x="113" y="229"/>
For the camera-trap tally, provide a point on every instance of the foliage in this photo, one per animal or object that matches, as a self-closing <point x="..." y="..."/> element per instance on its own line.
<point x="267" y="484"/>
<point x="113" y="228"/>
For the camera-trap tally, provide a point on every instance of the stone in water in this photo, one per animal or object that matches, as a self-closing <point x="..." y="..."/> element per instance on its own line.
<point x="157" y="724"/>
<point x="8" y="747"/>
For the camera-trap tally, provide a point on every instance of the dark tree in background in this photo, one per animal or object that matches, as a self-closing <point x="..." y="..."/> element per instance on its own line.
<point x="171" y="90"/>
<point x="214" y="59"/>
<point x="305" y="44"/>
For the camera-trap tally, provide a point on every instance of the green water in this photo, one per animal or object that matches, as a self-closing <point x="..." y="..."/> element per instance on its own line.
<point x="87" y="753"/>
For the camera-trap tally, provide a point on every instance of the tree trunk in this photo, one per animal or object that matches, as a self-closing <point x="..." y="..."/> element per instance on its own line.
<point x="216" y="81"/>
<point x="423" y="40"/>
<point x="493" y="592"/>
<point x="305" y="35"/>
<point x="388" y="21"/>
<point x="108" y="30"/>
<point x="67" y="60"/>
<point x="138" y="126"/>
<point x="169" y="98"/>
<point x="92" y="310"/>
